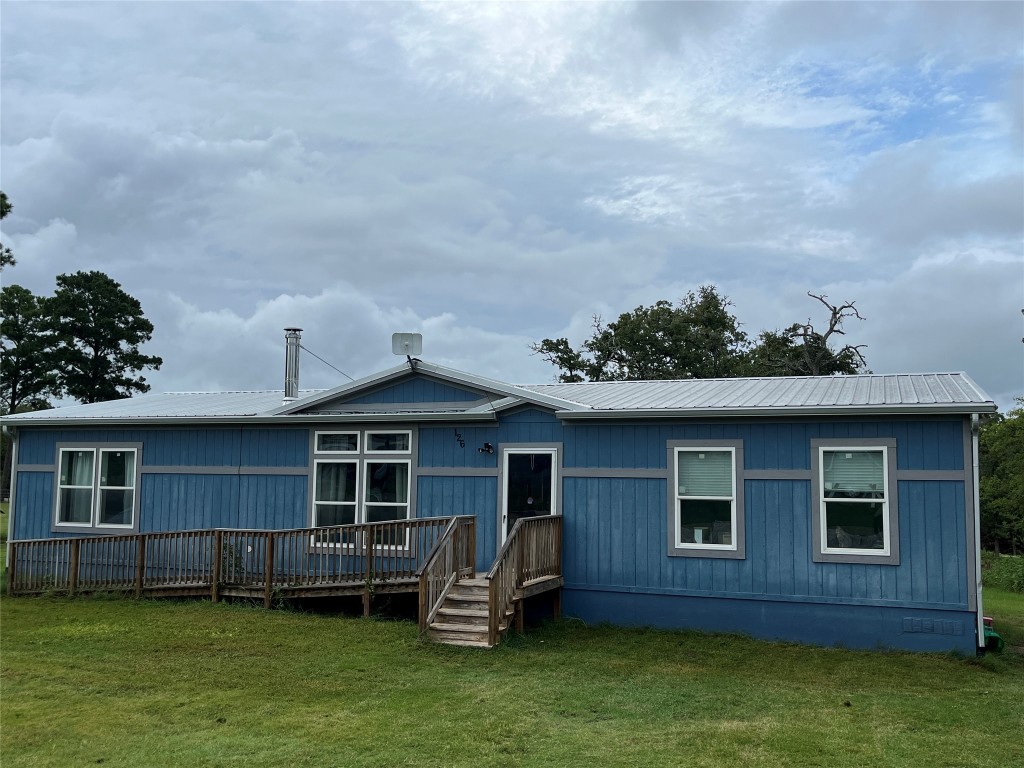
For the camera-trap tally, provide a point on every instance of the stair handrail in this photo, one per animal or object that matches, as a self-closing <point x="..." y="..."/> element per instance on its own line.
<point x="451" y="557"/>
<point x="509" y="570"/>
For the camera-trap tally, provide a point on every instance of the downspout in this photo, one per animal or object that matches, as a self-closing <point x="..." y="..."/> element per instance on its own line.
<point x="975" y="430"/>
<point x="12" y="433"/>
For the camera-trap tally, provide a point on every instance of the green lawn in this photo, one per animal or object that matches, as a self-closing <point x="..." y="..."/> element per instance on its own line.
<point x="125" y="683"/>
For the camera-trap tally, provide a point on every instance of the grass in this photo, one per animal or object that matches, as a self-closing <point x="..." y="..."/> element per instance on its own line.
<point x="129" y="683"/>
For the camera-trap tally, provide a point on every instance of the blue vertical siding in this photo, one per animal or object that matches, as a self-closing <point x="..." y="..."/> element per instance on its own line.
<point x="33" y="506"/>
<point x="439" y="446"/>
<point x="273" y="501"/>
<point x="616" y="537"/>
<point x="443" y="496"/>
<point x="188" y="502"/>
<point x="275" y="448"/>
<point x="921" y="445"/>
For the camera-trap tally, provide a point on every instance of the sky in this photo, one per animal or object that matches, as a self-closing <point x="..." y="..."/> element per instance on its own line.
<point x="491" y="175"/>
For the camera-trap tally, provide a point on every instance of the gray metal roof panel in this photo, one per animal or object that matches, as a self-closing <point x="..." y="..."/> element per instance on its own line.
<point x="165" y="405"/>
<point x="783" y="393"/>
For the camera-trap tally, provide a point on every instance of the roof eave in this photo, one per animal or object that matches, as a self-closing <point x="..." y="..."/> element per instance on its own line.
<point x="281" y="420"/>
<point x="957" y="409"/>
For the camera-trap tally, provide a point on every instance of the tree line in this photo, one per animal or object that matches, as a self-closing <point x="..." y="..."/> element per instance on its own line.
<point x="700" y="338"/>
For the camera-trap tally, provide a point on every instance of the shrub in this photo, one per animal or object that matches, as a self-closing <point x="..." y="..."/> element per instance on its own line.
<point x="1002" y="571"/>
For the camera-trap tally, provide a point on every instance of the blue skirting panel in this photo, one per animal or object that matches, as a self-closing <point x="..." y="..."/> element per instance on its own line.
<point x="850" y="626"/>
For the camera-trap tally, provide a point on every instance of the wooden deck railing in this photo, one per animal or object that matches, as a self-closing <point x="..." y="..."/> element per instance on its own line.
<point x="240" y="561"/>
<point x="532" y="550"/>
<point x="453" y="556"/>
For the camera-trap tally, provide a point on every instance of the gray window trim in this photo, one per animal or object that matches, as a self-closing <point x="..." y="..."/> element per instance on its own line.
<point x="107" y="530"/>
<point x="740" y="552"/>
<point x="891" y="497"/>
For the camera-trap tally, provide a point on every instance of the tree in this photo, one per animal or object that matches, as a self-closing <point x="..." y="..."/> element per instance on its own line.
<point x="698" y="338"/>
<point x="801" y="350"/>
<point x="6" y="256"/>
<point x="1001" y="488"/>
<point x="27" y="366"/>
<point x="97" y="331"/>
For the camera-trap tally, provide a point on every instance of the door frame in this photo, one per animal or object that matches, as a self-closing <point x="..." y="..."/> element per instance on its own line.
<point x="504" y="449"/>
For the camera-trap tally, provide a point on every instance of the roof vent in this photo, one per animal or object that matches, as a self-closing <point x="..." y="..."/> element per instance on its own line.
<point x="292" y="341"/>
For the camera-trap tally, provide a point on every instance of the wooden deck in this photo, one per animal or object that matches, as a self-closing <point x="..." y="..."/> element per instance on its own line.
<point x="428" y="556"/>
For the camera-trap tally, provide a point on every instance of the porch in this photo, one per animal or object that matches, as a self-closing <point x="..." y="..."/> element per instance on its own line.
<point x="431" y="557"/>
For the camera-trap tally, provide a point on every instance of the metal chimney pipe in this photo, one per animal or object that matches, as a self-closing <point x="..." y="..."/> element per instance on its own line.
<point x="292" y="337"/>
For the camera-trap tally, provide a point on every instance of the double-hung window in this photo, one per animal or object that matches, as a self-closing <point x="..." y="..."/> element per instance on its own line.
<point x="854" y="493"/>
<point x="371" y="484"/>
<point x="706" y="499"/>
<point x="96" y="487"/>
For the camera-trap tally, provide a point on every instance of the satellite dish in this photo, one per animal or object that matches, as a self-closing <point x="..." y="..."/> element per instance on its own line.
<point x="407" y="344"/>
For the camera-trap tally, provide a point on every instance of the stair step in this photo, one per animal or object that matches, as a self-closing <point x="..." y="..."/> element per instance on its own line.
<point x="459" y="589"/>
<point x="462" y="616"/>
<point x="471" y="629"/>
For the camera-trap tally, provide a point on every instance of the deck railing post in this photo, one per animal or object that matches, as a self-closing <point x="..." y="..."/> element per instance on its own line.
<point x="367" y="597"/>
<point x="73" y="558"/>
<point x="140" y="564"/>
<point x="471" y="545"/>
<point x="268" y="573"/>
<point x="12" y="566"/>
<point x="492" y="611"/>
<point x="218" y="545"/>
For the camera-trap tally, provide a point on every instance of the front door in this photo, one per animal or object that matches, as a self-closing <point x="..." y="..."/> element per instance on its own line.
<point x="529" y="485"/>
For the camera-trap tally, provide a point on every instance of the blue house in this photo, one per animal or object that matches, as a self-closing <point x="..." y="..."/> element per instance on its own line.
<point x="827" y="510"/>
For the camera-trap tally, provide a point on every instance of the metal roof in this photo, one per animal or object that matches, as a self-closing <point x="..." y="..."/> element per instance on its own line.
<point x="868" y="392"/>
<point x="806" y="395"/>
<point x="166" y="405"/>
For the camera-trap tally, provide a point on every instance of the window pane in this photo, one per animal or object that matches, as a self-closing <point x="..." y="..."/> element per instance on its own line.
<point x="705" y="473"/>
<point x="116" y="507"/>
<point x="117" y="468"/>
<point x="76" y="505"/>
<point x="705" y="522"/>
<point x="76" y="467"/>
<point x="387" y="441"/>
<point x="854" y="525"/>
<point x="387" y="482"/>
<point x="338" y="442"/>
<point x="335" y="514"/>
<point x="336" y="481"/>
<point x="853" y="474"/>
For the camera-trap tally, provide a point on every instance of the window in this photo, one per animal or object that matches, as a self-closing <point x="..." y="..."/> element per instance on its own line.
<point x="855" y="519"/>
<point x="96" y="487"/>
<point x="388" y="442"/>
<point x="337" y="442"/>
<point x="705" y="503"/>
<point x="365" y="488"/>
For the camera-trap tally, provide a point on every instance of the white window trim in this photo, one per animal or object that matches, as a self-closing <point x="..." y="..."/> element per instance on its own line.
<point x="822" y="517"/>
<point x="738" y="549"/>
<point x="60" y="487"/>
<point x="366" y="438"/>
<point x="891" y="519"/>
<point x="320" y="451"/>
<point x="731" y="499"/>
<point x="354" y="502"/>
<point x="97" y="449"/>
<point x="100" y="488"/>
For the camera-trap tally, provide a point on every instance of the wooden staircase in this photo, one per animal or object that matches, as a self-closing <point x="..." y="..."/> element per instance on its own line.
<point x="462" y="617"/>
<point x="461" y="607"/>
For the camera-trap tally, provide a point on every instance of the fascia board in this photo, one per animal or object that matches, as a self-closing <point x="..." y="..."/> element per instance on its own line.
<point x="694" y="413"/>
<point x="280" y="419"/>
